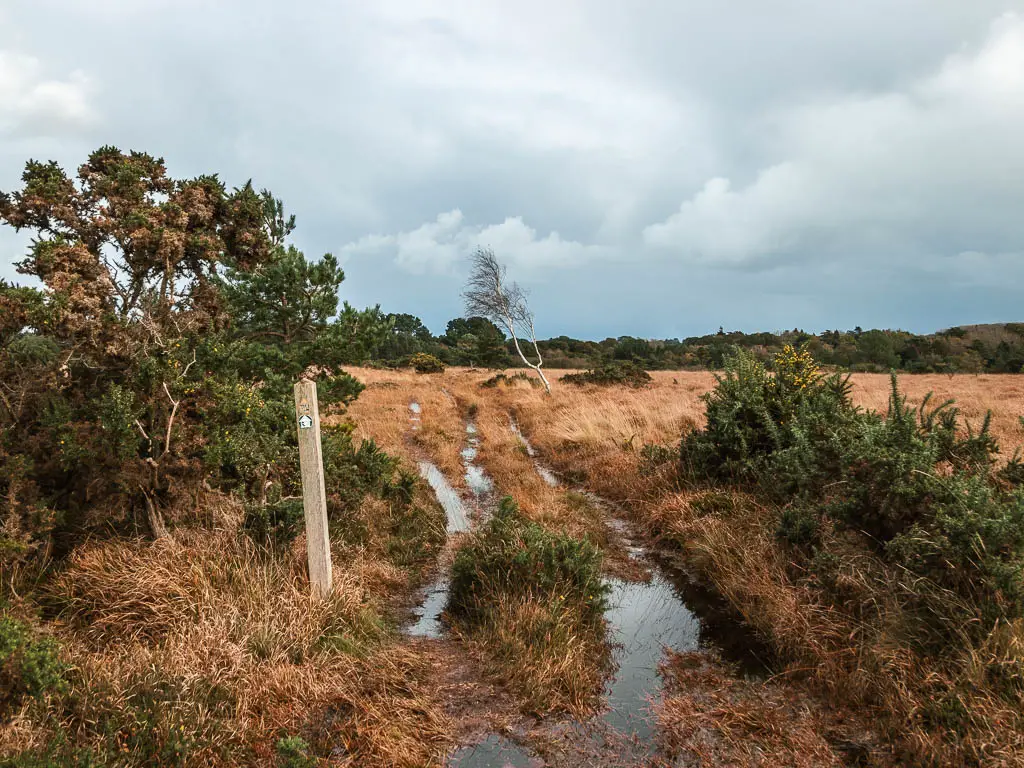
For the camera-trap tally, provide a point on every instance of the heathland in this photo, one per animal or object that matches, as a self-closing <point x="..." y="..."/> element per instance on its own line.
<point x="776" y="564"/>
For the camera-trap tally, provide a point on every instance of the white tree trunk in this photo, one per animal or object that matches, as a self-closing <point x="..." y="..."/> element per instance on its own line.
<point x="512" y="330"/>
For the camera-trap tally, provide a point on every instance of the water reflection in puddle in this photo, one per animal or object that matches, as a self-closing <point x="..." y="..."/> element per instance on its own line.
<point x="454" y="509"/>
<point x="428" y="614"/>
<point x="644" y="619"/>
<point x="479" y="484"/>
<point x="493" y="752"/>
<point x="435" y="597"/>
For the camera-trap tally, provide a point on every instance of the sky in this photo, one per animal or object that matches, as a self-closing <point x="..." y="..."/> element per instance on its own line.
<point x="657" y="168"/>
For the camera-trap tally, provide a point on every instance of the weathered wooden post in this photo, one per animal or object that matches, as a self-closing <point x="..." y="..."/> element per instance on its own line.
<point x="314" y="495"/>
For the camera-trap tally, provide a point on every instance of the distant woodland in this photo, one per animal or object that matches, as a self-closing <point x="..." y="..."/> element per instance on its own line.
<point x="476" y="341"/>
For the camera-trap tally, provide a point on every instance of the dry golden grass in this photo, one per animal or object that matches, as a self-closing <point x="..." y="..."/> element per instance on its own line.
<point x="543" y="653"/>
<point x="594" y="434"/>
<point x="1002" y="394"/>
<point x="237" y="652"/>
<point x="709" y="717"/>
<point x="533" y="646"/>
<point x="382" y="412"/>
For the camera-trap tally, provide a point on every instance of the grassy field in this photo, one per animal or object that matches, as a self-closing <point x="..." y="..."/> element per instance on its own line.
<point x="839" y="659"/>
<point x="204" y="649"/>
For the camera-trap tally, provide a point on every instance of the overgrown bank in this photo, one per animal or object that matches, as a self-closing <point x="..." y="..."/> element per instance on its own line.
<point x="880" y="553"/>
<point x="154" y="603"/>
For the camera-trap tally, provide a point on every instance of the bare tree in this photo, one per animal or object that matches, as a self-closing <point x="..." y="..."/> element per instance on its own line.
<point x="489" y="295"/>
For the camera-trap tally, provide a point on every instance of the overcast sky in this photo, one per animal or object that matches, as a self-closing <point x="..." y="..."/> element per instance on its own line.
<point x="653" y="168"/>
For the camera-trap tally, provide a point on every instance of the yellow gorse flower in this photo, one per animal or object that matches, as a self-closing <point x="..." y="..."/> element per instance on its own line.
<point x="795" y="368"/>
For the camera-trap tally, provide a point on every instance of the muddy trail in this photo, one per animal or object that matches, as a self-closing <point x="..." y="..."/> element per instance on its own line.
<point x="653" y="607"/>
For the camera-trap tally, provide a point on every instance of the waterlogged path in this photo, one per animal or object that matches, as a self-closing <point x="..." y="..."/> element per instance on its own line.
<point x="435" y="596"/>
<point x="646" y="616"/>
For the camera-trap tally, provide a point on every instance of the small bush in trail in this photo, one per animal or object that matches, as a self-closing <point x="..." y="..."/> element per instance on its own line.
<point x="513" y="555"/>
<point x="29" y="666"/>
<point x="626" y="374"/>
<point x="421" y="362"/>
<point x="533" y="601"/>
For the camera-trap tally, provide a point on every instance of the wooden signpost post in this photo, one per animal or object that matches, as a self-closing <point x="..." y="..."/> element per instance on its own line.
<point x="314" y="496"/>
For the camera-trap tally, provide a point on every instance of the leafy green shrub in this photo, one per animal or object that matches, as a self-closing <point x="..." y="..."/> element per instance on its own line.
<point x="628" y="374"/>
<point x="29" y="666"/>
<point x="799" y="525"/>
<point x="653" y="457"/>
<point x="512" y="556"/>
<point x="533" y="601"/>
<point x="508" y="381"/>
<point x="424" y="363"/>
<point x="293" y="752"/>
<point x="277" y="521"/>
<point x="184" y="355"/>
<point x="1013" y="471"/>
<point x="775" y="430"/>
<point x="915" y="480"/>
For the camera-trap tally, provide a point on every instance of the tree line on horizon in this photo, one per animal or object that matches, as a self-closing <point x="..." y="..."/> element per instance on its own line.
<point x="479" y="342"/>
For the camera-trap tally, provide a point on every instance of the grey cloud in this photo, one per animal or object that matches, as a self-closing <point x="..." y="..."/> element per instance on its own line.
<point x="678" y="165"/>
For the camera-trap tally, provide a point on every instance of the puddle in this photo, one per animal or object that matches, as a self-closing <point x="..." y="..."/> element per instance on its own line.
<point x="644" y="618"/>
<point x="494" y="752"/>
<point x="434" y="598"/>
<point x="479" y="484"/>
<point x="414" y="419"/>
<point x="448" y="497"/>
<point x="428" y="614"/>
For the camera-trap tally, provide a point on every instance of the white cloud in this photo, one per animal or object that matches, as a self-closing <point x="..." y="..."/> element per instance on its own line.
<point x="938" y="162"/>
<point x="32" y="104"/>
<point x="438" y="246"/>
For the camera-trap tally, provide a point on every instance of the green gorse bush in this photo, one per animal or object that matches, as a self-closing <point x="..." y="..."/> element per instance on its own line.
<point x="917" y="483"/>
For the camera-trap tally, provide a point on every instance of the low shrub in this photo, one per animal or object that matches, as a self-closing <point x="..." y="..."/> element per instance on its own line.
<point x="293" y="752"/>
<point x="653" y="457"/>
<point x="917" y="481"/>
<point x="626" y="374"/>
<point x="509" y="381"/>
<point x="513" y="556"/>
<point x="421" y="362"/>
<point x="533" y="602"/>
<point x="30" y="666"/>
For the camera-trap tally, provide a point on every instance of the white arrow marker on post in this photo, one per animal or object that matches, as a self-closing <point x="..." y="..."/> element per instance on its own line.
<point x="314" y="494"/>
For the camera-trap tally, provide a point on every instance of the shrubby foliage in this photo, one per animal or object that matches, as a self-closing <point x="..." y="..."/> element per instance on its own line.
<point x="514" y="557"/>
<point x="29" y="666"/>
<point x="508" y="381"/>
<point x="158" y="356"/>
<point x="477" y="341"/>
<point x="994" y="348"/>
<point x="424" y="363"/>
<point x="533" y="601"/>
<point x="918" y="482"/>
<point x="626" y="374"/>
